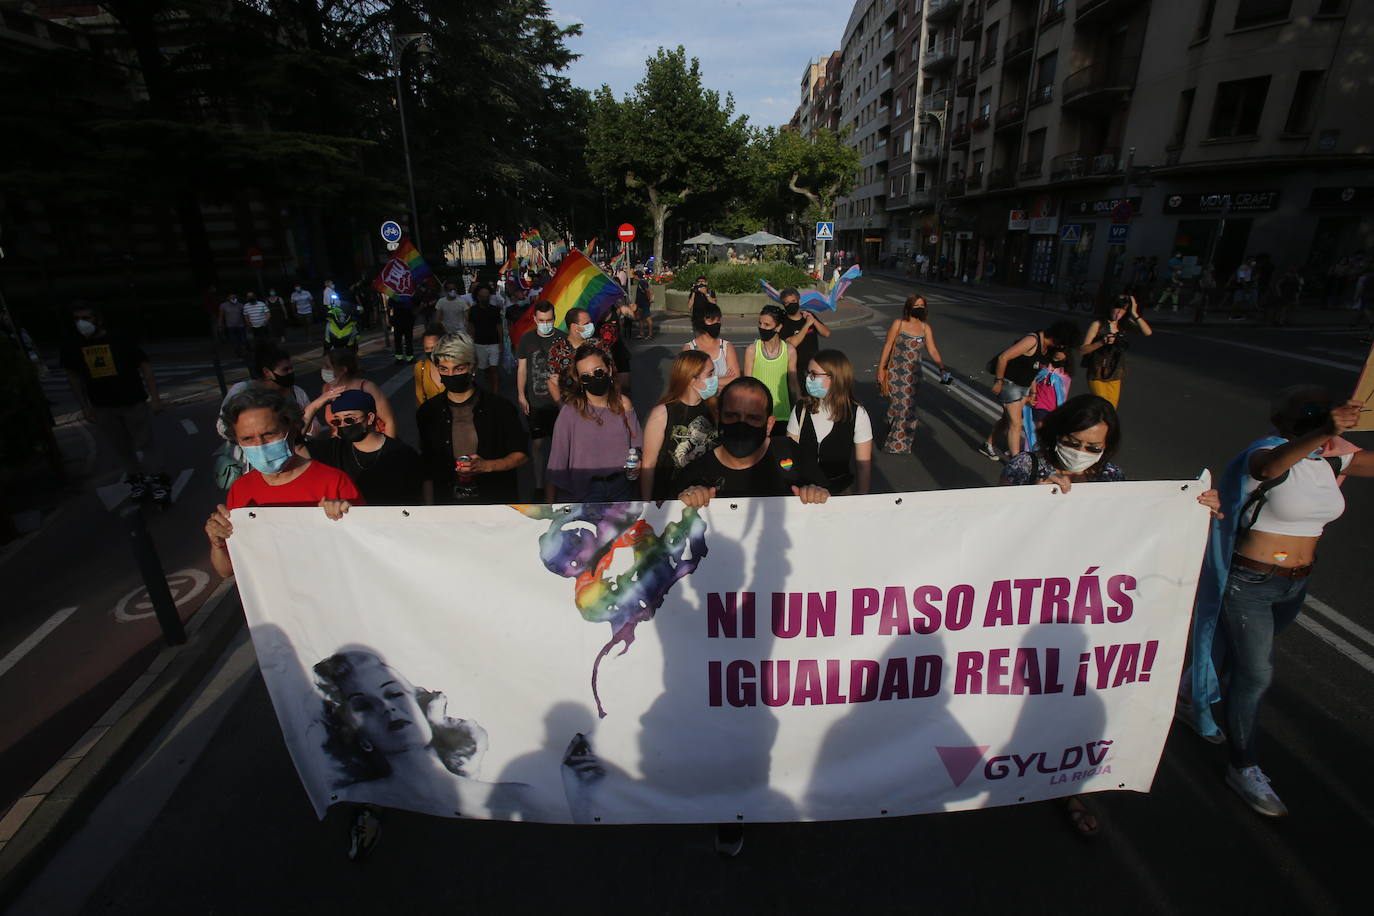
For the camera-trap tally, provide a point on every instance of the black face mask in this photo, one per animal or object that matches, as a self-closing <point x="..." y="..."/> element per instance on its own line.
<point x="767" y="333"/>
<point x="354" y="432"/>
<point x="919" y="314"/>
<point x="793" y="308"/>
<point x="597" y="387"/>
<point x="713" y="330"/>
<point x="741" y="439"/>
<point x="287" y="380"/>
<point x="457" y="383"/>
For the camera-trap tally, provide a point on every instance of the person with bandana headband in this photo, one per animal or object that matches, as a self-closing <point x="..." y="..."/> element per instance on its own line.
<point x="340" y="373"/>
<point x="1279" y="494"/>
<point x="682" y="426"/>
<point x="899" y="372"/>
<point x="594" y="433"/>
<point x="706" y="323"/>
<point x="386" y="471"/>
<point x="267" y="426"/>
<point x="774" y="363"/>
<point x="1076" y="444"/>
<point x="471" y="439"/>
<point x="532" y="385"/>
<point x="801" y="329"/>
<point x="749" y="461"/>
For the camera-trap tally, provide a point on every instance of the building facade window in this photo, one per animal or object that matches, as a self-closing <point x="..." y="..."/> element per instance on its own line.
<point x="1261" y="12"/>
<point x="1204" y="21"/>
<point x="1238" y="108"/>
<point x="1303" y="108"/>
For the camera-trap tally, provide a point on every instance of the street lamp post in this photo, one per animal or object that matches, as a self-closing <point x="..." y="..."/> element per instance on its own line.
<point x="399" y="45"/>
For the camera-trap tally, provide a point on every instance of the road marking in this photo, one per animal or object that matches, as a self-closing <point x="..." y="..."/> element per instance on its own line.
<point x="189" y="426"/>
<point x="182" y="479"/>
<point x="1344" y="647"/>
<point x="113" y="494"/>
<point x="1334" y="616"/>
<point x="393" y="384"/>
<point x="37" y="636"/>
<point x="974" y="398"/>
<point x="193" y="580"/>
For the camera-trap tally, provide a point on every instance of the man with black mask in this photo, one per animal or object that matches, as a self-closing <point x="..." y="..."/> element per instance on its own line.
<point x="386" y="471"/>
<point x="748" y="462"/>
<point x="801" y="330"/>
<point x="471" y="440"/>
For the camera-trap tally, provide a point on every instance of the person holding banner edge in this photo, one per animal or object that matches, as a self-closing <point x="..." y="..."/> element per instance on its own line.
<point x="267" y="426"/>
<point x="1076" y="443"/>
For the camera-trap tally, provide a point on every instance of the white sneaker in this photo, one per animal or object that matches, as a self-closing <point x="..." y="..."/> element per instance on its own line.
<point x="1252" y="785"/>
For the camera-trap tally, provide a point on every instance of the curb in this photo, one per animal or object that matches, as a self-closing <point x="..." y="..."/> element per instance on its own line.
<point x="856" y="315"/>
<point x="55" y="806"/>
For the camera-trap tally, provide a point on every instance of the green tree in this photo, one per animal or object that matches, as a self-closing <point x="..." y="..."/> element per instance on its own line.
<point x="819" y="168"/>
<point x="669" y="140"/>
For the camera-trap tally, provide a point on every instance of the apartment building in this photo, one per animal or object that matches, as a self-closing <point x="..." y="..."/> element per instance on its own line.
<point x="1228" y="128"/>
<point x="818" y="107"/>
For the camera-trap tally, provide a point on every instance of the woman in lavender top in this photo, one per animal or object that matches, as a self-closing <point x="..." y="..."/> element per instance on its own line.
<point x="595" y="430"/>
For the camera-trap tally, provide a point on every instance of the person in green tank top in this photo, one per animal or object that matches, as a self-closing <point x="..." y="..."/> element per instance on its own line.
<point x="773" y="362"/>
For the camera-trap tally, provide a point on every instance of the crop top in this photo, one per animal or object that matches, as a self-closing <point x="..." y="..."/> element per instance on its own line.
<point x="1303" y="504"/>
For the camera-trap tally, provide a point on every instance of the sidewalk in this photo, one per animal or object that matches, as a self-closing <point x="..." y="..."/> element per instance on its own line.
<point x="1303" y="316"/>
<point x="849" y="314"/>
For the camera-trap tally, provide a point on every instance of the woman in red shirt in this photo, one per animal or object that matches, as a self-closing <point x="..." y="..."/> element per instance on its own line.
<point x="267" y="426"/>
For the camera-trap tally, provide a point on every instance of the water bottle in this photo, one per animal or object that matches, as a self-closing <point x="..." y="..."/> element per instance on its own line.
<point x="947" y="378"/>
<point x="632" y="464"/>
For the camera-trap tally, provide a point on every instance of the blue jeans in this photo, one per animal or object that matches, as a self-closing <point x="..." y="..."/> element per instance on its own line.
<point x="1256" y="607"/>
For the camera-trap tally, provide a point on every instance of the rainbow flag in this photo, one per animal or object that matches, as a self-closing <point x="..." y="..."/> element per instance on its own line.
<point x="590" y="249"/>
<point x="578" y="284"/>
<point x="622" y="259"/>
<point x="403" y="273"/>
<point x="557" y="251"/>
<point x="510" y="260"/>
<point x="533" y="237"/>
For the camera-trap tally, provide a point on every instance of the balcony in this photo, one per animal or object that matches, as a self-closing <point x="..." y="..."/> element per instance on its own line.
<point x="1071" y="166"/>
<point x="1010" y="115"/>
<point x="980" y="123"/>
<point x="967" y="81"/>
<point x="972" y="23"/>
<point x="1017" y="50"/>
<point x="999" y="179"/>
<point x="940" y="10"/>
<point x="955" y="186"/>
<point x="1101" y="86"/>
<point x="1041" y="95"/>
<point x="973" y="181"/>
<point x="942" y="56"/>
<point x="959" y="136"/>
<point x="1029" y="170"/>
<point x="935" y="101"/>
<point x="1102" y="12"/>
<point x="988" y="60"/>
<point x="1053" y="13"/>
<point x="926" y="152"/>
<point x="922" y="198"/>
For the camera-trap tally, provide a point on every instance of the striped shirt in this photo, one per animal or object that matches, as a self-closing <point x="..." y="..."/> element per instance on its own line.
<point x="256" y="313"/>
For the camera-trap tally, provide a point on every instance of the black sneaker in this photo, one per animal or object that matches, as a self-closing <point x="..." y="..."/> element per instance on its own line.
<point x="362" y="836"/>
<point x="987" y="451"/>
<point x="160" y="489"/>
<point x="138" y="486"/>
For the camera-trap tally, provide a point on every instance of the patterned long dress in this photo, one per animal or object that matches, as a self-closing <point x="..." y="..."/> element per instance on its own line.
<point x="903" y="379"/>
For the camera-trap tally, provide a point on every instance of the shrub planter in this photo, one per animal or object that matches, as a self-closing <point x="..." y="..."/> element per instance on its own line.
<point x="731" y="304"/>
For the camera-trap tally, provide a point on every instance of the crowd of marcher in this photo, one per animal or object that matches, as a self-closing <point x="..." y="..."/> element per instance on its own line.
<point x="775" y="417"/>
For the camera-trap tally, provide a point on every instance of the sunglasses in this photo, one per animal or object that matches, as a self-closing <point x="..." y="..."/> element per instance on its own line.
<point x="336" y="422"/>
<point x="600" y="373"/>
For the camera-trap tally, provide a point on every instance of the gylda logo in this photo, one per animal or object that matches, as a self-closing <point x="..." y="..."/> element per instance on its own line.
<point x="1073" y="764"/>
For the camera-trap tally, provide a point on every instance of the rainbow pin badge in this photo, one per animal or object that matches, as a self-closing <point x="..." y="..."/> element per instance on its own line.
<point x="785" y="464"/>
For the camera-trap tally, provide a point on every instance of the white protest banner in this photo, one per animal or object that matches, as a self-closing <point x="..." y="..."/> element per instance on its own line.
<point x="759" y="660"/>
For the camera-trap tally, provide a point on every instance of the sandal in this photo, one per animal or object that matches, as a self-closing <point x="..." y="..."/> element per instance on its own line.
<point x="1083" y="816"/>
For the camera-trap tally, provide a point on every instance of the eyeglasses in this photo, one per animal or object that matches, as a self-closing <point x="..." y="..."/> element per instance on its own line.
<point x="818" y="375"/>
<point x="337" y="422"/>
<point x="599" y="373"/>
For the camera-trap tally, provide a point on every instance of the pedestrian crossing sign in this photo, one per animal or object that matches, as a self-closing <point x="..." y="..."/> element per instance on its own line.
<point x="1071" y="232"/>
<point x="825" y="232"/>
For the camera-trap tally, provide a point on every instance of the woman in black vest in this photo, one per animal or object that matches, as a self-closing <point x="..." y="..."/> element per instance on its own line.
<point x="833" y="427"/>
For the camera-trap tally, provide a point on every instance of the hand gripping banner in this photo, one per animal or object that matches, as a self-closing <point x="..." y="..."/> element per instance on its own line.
<point x="758" y="660"/>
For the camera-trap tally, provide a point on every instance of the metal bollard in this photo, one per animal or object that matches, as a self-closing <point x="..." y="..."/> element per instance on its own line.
<point x="154" y="579"/>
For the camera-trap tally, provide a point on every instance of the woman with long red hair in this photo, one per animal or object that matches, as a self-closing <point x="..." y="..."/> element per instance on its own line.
<point x="682" y="426"/>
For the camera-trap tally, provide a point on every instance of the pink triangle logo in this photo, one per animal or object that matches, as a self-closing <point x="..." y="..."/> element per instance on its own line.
<point x="960" y="761"/>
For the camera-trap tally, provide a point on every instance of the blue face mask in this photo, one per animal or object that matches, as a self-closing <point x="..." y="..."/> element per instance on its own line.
<point x="712" y="386"/>
<point x="817" y="388"/>
<point x="269" y="458"/>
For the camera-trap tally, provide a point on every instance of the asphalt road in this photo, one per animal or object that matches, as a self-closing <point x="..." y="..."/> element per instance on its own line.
<point x="215" y="820"/>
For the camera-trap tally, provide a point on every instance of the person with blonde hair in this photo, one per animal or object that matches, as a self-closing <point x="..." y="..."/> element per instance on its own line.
<point x="682" y="426"/>
<point x="830" y="427"/>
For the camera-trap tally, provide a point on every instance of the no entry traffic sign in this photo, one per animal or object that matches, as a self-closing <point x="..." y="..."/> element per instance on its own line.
<point x="626" y="232"/>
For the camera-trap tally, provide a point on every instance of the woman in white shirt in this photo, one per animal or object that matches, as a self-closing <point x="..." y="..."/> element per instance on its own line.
<point x="831" y="427"/>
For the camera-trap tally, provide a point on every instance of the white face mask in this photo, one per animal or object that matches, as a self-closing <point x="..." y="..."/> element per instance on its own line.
<point x="1073" y="460"/>
<point x="588" y="330"/>
<point x="327" y="376"/>
<point x="87" y="328"/>
<point x="545" y="328"/>
<point x="453" y="294"/>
